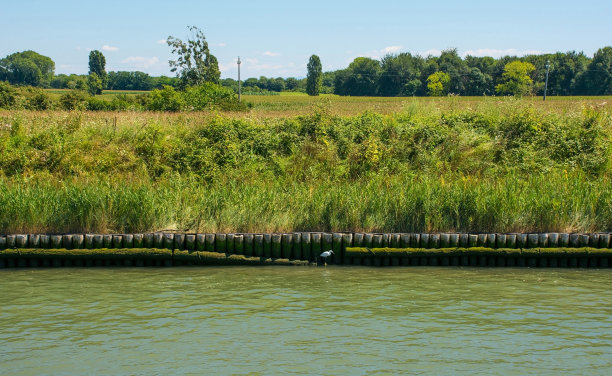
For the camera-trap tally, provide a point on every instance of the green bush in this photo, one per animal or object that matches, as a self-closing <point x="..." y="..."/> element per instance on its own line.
<point x="8" y="95"/>
<point x="166" y="99"/>
<point x="73" y="100"/>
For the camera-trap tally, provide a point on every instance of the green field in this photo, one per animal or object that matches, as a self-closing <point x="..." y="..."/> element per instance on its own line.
<point x="298" y="163"/>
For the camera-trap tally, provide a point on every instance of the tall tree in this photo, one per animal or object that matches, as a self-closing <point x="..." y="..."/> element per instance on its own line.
<point x="516" y="79"/>
<point x="97" y="65"/>
<point x="438" y="84"/>
<point x="195" y="64"/>
<point x="597" y="79"/>
<point x="314" y="76"/>
<point x="27" y="68"/>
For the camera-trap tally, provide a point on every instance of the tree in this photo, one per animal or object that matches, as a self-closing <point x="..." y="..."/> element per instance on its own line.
<point x="597" y="79"/>
<point x="314" y="76"/>
<point x="438" y="83"/>
<point x="27" y="68"/>
<point x="359" y="79"/>
<point x="516" y="80"/>
<point x="94" y="84"/>
<point x="195" y="64"/>
<point x="97" y="65"/>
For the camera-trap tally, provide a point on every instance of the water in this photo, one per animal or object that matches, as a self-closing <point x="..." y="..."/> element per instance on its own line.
<point x="292" y="320"/>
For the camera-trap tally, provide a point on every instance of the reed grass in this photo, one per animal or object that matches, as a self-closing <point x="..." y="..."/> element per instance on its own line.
<point x="494" y="166"/>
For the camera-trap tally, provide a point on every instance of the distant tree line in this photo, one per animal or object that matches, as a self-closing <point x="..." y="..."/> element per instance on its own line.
<point x="404" y="74"/>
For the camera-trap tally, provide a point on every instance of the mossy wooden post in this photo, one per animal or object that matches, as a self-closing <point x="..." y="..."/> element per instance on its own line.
<point x="604" y="240"/>
<point x="404" y="241"/>
<point x="444" y="240"/>
<point x="239" y="244"/>
<point x="386" y="239"/>
<point x="117" y="241"/>
<point x="220" y="243"/>
<point x="316" y="245"/>
<point x="56" y="241"/>
<point x="347" y="241"/>
<point x="553" y="240"/>
<point x="258" y="245"/>
<point x="511" y="240"/>
<point x="424" y="241"/>
<point x="200" y="242"/>
<point x="395" y="240"/>
<point x="464" y="240"/>
<point x="3" y="242"/>
<point x="415" y="240"/>
<point x="521" y="240"/>
<point x="158" y="240"/>
<point x="229" y="243"/>
<point x="190" y="242"/>
<point x="368" y="240"/>
<point x="337" y="247"/>
<point x="434" y="241"/>
<point x="453" y="240"/>
<point x="67" y="241"/>
<point x="358" y="239"/>
<point x="44" y="241"/>
<point x="573" y="240"/>
<point x="377" y="241"/>
<point x="594" y="240"/>
<point x="21" y="241"/>
<point x="564" y="240"/>
<point x="277" y="246"/>
<point x="326" y="242"/>
<point x="491" y="240"/>
<point x="482" y="240"/>
<point x="138" y="241"/>
<point x="286" y="245"/>
<point x="306" y="246"/>
<point x="179" y="242"/>
<point x="78" y="241"/>
<point x="472" y="240"/>
<point x="10" y="241"/>
<point x="267" y="245"/>
<point x="33" y="241"/>
<point x="248" y="244"/>
<point x="211" y="242"/>
<point x="500" y="241"/>
<point x="88" y="241"/>
<point x="296" y="246"/>
<point x="543" y="240"/>
<point x="583" y="241"/>
<point x="128" y="241"/>
<point x="98" y="241"/>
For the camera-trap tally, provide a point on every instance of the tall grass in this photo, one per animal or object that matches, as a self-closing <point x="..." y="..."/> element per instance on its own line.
<point x="505" y="166"/>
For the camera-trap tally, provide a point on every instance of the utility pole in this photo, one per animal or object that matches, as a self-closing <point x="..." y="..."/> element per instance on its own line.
<point x="546" y="84"/>
<point x="239" y="78"/>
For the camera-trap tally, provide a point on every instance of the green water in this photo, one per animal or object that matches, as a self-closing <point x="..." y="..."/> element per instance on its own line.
<point x="300" y="320"/>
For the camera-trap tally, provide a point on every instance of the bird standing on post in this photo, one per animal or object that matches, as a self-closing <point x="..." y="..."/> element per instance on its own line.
<point x="325" y="255"/>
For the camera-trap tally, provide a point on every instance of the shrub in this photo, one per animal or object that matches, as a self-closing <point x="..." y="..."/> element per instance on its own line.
<point x="73" y="100"/>
<point x="166" y="99"/>
<point x="8" y="95"/>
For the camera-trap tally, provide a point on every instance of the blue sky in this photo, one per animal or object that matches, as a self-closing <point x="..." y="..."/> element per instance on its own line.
<point x="275" y="38"/>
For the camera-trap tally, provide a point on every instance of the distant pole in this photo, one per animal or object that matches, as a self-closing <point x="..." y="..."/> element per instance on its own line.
<point x="239" y="88"/>
<point x="546" y="84"/>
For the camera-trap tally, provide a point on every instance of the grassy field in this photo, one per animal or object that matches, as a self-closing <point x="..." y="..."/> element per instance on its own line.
<point x="296" y="163"/>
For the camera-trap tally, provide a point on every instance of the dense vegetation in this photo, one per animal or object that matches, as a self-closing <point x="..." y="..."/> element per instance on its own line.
<point x="571" y="73"/>
<point x="506" y="166"/>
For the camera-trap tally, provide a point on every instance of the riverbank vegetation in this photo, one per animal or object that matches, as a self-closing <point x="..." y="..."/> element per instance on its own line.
<point x="497" y="165"/>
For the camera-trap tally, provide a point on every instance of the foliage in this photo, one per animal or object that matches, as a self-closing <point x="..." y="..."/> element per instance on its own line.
<point x="597" y="79"/>
<point x="516" y="79"/>
<point x="94" y="84"/>
<point x="358" y="79"/>
<point x="27" y="68"/>
<point x="166" y="99"/>
<point x="195" y="64"/>
<point x="314" y="76"/>
<point x="438" y="84"/>
<point x="97" y="66"/>
<point x="73" y="100"/>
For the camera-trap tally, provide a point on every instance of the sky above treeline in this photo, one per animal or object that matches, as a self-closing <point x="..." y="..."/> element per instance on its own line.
<point x="276" y="38"/>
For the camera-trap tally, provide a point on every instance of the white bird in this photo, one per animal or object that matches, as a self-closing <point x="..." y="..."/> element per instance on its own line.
<point x="325" y="255"/>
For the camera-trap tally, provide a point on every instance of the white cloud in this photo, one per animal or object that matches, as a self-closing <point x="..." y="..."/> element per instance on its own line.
<point x="270" y="53"/>
<point x="109" y="48"/>
<point x="141" y="62"/>
<point x="432" y="52"/>
<point x="499" y="53"/>
<point x="161" y="41"/>
<point x="220" y="44"/>
<point x="391" y="49"/>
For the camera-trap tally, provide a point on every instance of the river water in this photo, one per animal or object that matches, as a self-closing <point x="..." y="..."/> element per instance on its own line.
<point x="301" y="320"/>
